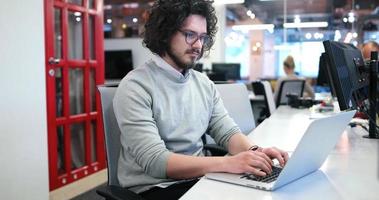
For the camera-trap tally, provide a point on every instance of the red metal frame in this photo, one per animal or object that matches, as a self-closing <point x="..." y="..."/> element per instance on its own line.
<point x="60" y="178"/>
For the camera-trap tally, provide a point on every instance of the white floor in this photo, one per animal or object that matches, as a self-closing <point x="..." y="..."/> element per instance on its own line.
<point x="79" y="187"/>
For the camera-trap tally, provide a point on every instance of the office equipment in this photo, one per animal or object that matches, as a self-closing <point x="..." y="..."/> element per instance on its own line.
<point x="323" y="78"/>
<point x="298" y="102"/>
<point x="231" y="70"/>
<point x="354" y="82"/>
<point x="312" y="150"/>
<point x="118" y="63"/>
<point x="217" y="77"/>
<point x="198" y="67"/>
<point x="342" y="176"/>
<point x="346" y="68"/>
<point x="292" y="87"/>
<point x="113" y="145"/>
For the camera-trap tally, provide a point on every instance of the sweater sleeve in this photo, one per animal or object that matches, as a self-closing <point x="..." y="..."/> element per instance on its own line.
<point x="221" y="126"/>
<point x="139" y="133"/>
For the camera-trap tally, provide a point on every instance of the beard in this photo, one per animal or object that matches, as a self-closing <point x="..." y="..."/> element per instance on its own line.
<point x="180" y="62"/>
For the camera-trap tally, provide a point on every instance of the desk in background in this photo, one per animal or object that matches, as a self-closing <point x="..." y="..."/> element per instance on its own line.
<point x="350" y="171"/>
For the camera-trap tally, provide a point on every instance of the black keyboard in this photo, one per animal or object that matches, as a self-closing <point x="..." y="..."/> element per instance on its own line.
<point x="266" y="179"/>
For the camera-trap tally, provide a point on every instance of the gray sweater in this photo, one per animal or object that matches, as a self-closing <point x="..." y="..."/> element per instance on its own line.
<point x="161" y="111"/>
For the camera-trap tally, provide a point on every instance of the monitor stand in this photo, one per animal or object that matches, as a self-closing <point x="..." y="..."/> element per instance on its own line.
<point x="373" y="71"/>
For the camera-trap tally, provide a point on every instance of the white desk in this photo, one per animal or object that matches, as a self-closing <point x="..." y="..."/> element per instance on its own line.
<point x="350" y="171"/>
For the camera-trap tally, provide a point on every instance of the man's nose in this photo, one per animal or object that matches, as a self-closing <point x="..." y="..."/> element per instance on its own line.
<point x="197" y="44"/>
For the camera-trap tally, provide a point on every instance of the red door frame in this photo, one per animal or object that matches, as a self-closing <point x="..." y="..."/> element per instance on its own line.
<point x="58" y="179"/>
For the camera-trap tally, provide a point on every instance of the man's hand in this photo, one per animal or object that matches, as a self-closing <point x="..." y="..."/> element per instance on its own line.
<point x="275" y="153"/>
<point x="256" y="162"/>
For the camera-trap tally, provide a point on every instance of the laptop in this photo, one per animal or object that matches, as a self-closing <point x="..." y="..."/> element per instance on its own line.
<point x="310" y="153"/>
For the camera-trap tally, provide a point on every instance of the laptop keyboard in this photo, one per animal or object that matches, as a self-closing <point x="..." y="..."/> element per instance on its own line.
<point x="266" y="179"/>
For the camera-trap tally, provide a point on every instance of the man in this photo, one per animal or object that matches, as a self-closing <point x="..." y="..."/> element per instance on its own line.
<point x="289" y="70"/>
<point x="368" y="47"/>
<point x="164" y="107"/>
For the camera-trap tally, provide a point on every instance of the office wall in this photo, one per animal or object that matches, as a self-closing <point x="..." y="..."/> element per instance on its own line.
<point x="23" y="134"/>
<point x="217" y="53"/>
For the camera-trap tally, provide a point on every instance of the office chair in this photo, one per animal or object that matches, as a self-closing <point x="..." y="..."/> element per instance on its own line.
<point x="264" y="88"/>
<point x="236" y="101"/>
<point x="113" y="191"/>
<point x="294" y="87"/>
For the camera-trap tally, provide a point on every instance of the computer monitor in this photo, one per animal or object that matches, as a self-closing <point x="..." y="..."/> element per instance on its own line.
<point x="198" y="67"/>
<point x="118" y="63"/>
<point x="232" y="71"/>
<point x="322" y="77"/>
<point x="347" y="72"/>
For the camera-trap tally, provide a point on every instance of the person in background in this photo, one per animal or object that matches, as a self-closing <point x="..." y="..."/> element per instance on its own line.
<point x="164" y="107"/>
<point x="289" y="69"/>
<point x="367" y="48"/>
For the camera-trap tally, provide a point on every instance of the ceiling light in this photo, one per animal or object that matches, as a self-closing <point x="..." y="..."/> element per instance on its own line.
<point x="253" y="27"/>
<point x="318" y="35"/>
<point x="297" y="19"/>
<point x="337" y="35"/>
<point x="348" y="37"/>
<point x="308" y="36"/>
<point x="258" y="44"/>
<point x="222" y="2"/>
<point x="305" y="25"/>
<point x="351" y="19"/>
<point x="249" y="12"/>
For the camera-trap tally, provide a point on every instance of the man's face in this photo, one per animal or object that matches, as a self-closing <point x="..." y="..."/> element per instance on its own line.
<point x="366" y="51"/>
<point x="186" y="45"/>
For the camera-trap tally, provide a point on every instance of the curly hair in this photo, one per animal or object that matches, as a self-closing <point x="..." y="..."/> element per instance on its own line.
<point x="167" y="16"/>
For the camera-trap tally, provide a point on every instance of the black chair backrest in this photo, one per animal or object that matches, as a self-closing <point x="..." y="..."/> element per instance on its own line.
<point x="111" y="131"/>
<point x="258" y="88"/>
<point x="294" y="87"/>
<point x="264" y="89"/>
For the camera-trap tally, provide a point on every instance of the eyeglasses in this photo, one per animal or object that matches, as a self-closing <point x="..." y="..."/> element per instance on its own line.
<point x="192" y="37"/>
